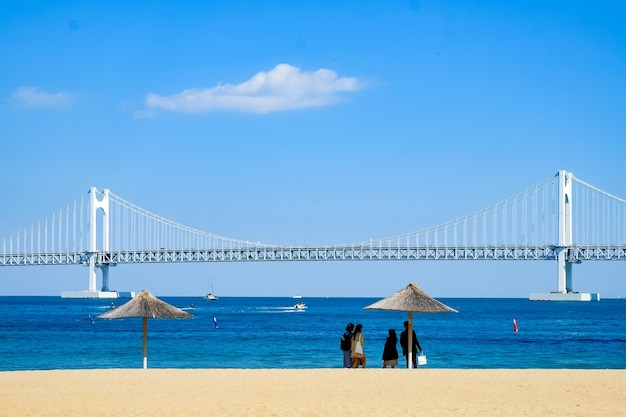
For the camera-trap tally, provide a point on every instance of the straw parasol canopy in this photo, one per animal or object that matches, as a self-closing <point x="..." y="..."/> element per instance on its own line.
<point x="410" y="299"/>
<point x="145" y="305"/>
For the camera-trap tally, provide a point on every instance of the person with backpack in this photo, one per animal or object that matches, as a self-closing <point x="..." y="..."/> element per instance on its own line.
<point x="346" y="345"/>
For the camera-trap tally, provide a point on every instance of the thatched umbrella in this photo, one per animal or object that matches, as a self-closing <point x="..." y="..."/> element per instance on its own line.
<point x="412" y="298"/>
<point x="145" y="305"/>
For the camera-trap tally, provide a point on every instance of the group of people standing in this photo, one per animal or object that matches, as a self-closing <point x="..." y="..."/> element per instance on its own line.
<point x="352" y="343"/>
<point x="352" y="346"/>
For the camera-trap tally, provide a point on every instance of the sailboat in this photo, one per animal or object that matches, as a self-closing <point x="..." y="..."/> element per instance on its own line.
<point x="211" y="295"/>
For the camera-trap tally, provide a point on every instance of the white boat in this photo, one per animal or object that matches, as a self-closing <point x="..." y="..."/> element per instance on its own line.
<point x="211" y="295"/>
<point x="297" y="296"/>
<point x="300" y="306"/>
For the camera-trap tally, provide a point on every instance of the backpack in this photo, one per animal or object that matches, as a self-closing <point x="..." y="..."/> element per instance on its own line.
<point x="346" y="341"/>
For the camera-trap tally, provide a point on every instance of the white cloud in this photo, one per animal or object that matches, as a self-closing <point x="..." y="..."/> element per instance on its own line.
<point x="283" y="88"/>
<point x="34" y="97"/>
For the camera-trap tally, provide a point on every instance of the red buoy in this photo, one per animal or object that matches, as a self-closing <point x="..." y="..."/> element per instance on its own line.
<point x="515" y="328"/>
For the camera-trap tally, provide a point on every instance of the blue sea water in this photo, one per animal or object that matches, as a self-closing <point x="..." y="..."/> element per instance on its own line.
<point x="55" y="333"/>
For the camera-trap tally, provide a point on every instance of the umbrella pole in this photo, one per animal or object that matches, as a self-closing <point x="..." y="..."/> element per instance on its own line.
<point x="409" y="358"/>
<point x="145" y="343"/>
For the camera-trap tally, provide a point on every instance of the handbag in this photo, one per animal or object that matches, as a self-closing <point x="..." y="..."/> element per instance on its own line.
<point x="358" y="348"/>
<point x="421" y="359"/>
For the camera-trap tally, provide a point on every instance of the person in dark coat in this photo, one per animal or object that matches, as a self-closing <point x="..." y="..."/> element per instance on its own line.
<point x="404" y="343"/>
<point x="390" y="353"/>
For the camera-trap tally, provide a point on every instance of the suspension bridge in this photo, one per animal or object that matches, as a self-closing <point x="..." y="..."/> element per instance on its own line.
<point x="562" y="219"/>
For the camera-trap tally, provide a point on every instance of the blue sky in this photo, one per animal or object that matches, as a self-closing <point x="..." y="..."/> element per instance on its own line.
<point x="309" y="123"/>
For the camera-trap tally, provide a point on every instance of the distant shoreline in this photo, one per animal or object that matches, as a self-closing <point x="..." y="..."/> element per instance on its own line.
<point x="200" y="296"/>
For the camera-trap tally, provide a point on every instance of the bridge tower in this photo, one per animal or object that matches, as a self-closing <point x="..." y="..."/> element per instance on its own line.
<point x="92" y="292"/>
<point x="564" y="273"/>
<point x="94" y="206"/>
<point x="564" y="291"/>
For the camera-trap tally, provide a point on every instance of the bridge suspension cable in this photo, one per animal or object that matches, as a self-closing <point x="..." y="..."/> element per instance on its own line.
<point x="526" y="219"/>
<point x="599" y="217"/>
<point x="64" y="231"/>
<point x="134" y="228"/>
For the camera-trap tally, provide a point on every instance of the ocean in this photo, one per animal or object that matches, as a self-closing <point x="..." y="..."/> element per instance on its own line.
<point x="38" y="333"/>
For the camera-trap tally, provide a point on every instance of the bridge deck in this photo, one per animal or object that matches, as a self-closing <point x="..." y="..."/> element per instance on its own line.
<point x="319" y="253"/>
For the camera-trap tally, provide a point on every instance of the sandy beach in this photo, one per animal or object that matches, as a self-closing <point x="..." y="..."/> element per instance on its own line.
<point x="313" y="392"/>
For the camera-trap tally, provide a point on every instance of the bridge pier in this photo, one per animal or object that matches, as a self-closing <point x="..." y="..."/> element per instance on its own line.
<point x="105" y="277"/>
<point x="92" y="272"/>
<point x="564" y="273"/>
<point x="564" y="290"/>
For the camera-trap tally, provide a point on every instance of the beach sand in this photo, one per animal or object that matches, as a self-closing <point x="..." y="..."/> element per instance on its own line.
<point x="313" y="392"/>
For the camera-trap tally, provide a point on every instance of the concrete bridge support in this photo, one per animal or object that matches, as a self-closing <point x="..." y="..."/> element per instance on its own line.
<point x="94" y="206"/>
<point x="93" y="234"/>
<point x="564" y="274"/>
<point x="564" y="285"/>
